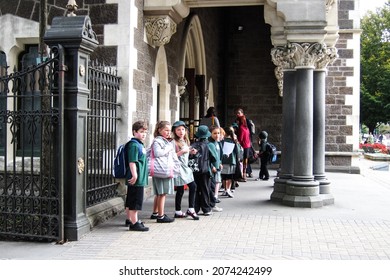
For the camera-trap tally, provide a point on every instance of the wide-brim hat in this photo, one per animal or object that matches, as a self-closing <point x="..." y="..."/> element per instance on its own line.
<point x="177" y="124"/>
<point x="203" y="132"/>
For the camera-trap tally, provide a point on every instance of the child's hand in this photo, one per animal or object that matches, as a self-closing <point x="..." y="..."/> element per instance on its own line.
<point x="214" y="170"/>
<point x="193" y="151"/>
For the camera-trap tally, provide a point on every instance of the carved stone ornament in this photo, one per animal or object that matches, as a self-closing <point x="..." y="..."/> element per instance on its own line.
<point x="181" y="83"/>
<point x="159" y="30"/>
<point x="330" y="56"/>
<point x="88" y="31"/>
<point x="329" y="4"/>
<point x="282" y="57"/>
<point x="307" y="54"/>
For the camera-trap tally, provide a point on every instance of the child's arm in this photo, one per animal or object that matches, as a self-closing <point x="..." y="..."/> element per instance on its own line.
<point x="134" y="174"/>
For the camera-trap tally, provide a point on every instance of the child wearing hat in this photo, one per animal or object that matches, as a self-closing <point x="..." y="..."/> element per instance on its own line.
<point x="186" y="176"/>
<point x="202" y="179"/>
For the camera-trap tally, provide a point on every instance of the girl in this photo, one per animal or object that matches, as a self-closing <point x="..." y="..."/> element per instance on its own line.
<point x="229" y="162"/>
<point x="216" y="167"/>
<point x="186" y="176"/>
<point x="162" y="145"/>
<point x="243" y="136"/>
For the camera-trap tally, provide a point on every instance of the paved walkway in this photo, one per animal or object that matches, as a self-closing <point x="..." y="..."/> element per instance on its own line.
<point x="251" y="227"/>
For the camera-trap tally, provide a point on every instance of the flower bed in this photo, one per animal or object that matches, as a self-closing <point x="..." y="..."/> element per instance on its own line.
<point x="377" y="147"/>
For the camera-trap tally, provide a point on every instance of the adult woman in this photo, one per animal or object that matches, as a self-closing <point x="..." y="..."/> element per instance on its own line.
<point x="243" y="137"/>
<point x="210" y="118"/>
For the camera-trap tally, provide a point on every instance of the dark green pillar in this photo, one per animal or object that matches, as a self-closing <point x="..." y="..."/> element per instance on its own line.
<point x="76" y="36"/>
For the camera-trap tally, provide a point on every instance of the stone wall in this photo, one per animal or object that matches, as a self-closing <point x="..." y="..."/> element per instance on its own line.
<point x="251" y="82"/>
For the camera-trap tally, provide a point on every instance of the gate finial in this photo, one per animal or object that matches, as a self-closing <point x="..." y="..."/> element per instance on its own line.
<point x="72" y="7"/>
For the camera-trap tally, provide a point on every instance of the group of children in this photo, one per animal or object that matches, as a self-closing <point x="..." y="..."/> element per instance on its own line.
<point x="217" y="147"/>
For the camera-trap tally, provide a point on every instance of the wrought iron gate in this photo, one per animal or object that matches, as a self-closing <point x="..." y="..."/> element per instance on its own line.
<point x="102" y="104"/>
<point x="31" y="129"/>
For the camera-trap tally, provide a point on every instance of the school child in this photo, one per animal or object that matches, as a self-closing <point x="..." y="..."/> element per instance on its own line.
<point x="162" y="145"/>
<point x="229" y="162"/>
<point x="216" y="166"/>
<point x="264" y="156"/>
<point x="202" y="170"/>
<point x="136" y="176"/>
<point x="186" y="176"/>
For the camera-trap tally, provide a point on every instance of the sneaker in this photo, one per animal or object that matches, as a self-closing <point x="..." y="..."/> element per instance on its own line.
<point x="249" y="175"/>
<point x="164" y="219"/>
<point x="154" y="216"/>
<point x="138" y="226"/>
<point x="207" y="213"/>
<point x="217" y="209"/>
<point x="224" y="194"/>
<point x="229" y="193"/>
<point x="193" y="215"/>
<point x="127" y="223"/>
<point x="257" y="179"/>
<point x="217" y="200"/>
<point x="182" y="215"/>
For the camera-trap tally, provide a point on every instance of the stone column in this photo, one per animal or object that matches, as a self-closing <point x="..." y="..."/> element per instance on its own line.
<point x="286" y="75"/>
<point x="302" y="190"/>
<point x="76" y="36"/>
<point x="319" y="125"/>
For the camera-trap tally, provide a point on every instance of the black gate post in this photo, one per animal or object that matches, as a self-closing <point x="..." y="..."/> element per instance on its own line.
<point x="75" y="34"/>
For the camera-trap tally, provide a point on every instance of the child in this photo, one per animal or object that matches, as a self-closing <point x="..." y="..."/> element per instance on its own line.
<point x="202" y="173"/>
<point x="216" y="166"/>
<point x="229" y="162"/>
<point x="186" y="176"/>
<point x="136" y="176"/>
<point x="162" y="145"/>
<point x="264" y="156"/>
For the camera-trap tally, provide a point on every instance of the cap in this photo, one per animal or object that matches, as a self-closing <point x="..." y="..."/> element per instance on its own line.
<point x="178" y="123"/>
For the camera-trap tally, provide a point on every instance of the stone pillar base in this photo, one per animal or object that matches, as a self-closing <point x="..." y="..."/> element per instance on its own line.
<point x="74" y="230"/>
<point x="279" y="189"/>
<point x="303" y="201"/>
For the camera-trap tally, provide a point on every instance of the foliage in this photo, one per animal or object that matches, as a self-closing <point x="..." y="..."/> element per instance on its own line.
<point x="375" y="68"/>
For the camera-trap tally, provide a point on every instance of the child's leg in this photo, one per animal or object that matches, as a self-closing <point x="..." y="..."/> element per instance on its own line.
<point x="178" y="198"/>
<point x="160" y="204"/>
<point x="192" y="188"/>
<point x="133" y="216"/>
<point x="216" y="190"/>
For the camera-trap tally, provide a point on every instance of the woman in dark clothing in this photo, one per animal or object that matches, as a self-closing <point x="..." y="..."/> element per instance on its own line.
<point x="210" y="119"/>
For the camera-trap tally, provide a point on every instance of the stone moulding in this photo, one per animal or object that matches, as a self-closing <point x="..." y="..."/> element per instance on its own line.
<point x="159" y="29"/>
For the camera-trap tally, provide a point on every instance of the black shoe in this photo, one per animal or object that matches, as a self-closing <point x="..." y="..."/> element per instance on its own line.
<point x="193" y="215"/>
<point x="182" y="215"/>
<point x="265" y="179"/>
<point x="138" y="226"/>
<point x="127" y="223"/>
<point x="154" y="216"/>
<point x="249" y="175"/>
<point x="164" y="219"/>
<point x="217" y="200"/>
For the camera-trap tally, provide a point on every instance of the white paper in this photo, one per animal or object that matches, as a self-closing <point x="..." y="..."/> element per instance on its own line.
<point x="228" y="148"/>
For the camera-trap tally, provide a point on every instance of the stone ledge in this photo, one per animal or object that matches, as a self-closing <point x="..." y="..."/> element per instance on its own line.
<point x="343" y="169"/>
<point x="377" y="157"/>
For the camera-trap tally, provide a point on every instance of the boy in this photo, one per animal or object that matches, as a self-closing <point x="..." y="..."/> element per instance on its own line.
<point x="136" y="176"/>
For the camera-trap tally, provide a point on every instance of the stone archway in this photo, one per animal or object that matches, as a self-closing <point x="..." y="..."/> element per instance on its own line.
<point x="193" y="69"/>
<point x="160" y="109"/>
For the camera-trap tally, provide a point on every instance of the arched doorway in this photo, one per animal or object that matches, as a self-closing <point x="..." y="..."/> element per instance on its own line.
<point x="193" y="59"/>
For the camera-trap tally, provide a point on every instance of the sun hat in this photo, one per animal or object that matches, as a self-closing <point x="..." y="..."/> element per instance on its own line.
<point x="203" y="132"/>
<point x="177" y="124"/>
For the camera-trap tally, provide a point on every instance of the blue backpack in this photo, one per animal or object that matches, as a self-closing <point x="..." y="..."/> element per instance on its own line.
<point x="121" y="164"/>
<point x="273" y="155"/>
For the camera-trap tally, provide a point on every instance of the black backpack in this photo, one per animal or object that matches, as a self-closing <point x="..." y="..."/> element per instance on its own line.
<point x="199" y="163"/>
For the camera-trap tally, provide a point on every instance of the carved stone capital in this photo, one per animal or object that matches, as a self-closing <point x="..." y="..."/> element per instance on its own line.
<point x="159" y="29"/>
<point x="329" y="57"/>
<point x="329" y="4"/>
<point x="282" y="57"/>
<point x="307" y="54"/>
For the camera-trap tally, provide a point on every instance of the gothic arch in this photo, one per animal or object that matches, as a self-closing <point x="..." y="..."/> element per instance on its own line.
<point x="161" y="89"/>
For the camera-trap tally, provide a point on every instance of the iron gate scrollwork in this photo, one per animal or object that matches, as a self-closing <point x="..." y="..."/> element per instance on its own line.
<point x="103" y="84"/>
<point x="31" y="110"/>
